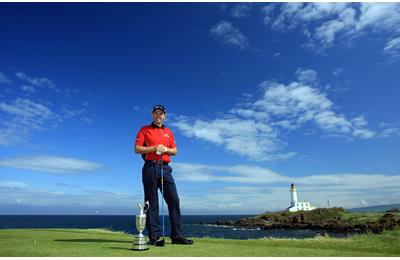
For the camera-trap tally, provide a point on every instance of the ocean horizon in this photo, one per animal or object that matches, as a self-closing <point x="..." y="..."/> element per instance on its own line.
<point x="193" y="225"/>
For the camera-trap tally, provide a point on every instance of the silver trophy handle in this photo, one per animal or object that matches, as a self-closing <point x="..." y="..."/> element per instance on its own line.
<point x="143" y="209"/>
<point x="146" y="206"/>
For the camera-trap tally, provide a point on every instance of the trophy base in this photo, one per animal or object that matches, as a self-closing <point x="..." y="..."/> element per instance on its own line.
<point x="140" y="244"/>
<point x="140" y="248"/>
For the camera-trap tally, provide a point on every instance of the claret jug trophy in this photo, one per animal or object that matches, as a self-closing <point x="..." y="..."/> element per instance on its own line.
<point x="140" y="242"/>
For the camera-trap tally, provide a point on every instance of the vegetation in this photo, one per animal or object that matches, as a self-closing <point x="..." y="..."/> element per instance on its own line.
<point x="326" y="214"/>
<point x="317" y="215"/>
<point x="333" y="219"/>
<point x="84" y="242"/>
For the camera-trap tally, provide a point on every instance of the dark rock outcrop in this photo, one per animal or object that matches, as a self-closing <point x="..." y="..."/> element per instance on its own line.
<point x="225" y="222"/>
<point x="330" y="220"/>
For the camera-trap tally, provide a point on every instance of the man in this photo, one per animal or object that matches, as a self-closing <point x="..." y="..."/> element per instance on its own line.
<point x="155" y="142"/>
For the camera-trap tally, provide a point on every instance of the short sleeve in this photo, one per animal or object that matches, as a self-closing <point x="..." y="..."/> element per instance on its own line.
<point x="171" y="140"/>
<point x="140" y="138"/>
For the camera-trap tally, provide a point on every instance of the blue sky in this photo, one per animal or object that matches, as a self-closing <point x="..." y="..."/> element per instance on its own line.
<point x="258" y="96"/>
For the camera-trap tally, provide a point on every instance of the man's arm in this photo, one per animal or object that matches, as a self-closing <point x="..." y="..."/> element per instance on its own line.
<point x="144" y="149"/>
<point x="172" y="151"/>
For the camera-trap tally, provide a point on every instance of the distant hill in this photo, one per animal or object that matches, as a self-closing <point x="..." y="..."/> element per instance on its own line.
<point x="378" y="208"/>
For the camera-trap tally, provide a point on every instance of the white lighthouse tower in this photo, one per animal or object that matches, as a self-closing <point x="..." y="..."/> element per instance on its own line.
<point x="293" y="194"/>
<point x="294" y="204"/>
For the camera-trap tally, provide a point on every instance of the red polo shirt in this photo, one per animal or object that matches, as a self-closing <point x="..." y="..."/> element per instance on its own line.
<point x="152" y="135"/>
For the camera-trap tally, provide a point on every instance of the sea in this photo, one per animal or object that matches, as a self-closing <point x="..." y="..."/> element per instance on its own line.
<point x="193" y="225"/>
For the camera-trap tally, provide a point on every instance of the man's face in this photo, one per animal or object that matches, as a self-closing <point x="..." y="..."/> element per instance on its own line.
<point x="158" y="116"/>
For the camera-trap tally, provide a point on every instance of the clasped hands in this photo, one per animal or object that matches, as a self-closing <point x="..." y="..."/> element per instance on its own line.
<point x="161" y="149"/>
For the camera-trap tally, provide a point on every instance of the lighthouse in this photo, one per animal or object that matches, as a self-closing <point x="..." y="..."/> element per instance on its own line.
<point x="296" y="205"/>
<point x="293" y="194"/>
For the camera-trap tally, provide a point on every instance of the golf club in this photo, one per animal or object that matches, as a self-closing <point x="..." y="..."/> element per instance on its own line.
<point x="162" y="191"/>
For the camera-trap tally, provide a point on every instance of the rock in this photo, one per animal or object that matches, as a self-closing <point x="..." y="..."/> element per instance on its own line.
<point x="224" y="222"/>
<point x="322" y="234"/>
<point x="253" y="223"/>
<point x="388" y="215"/>
<point x="331" y="220"/>
<point x="296" y="219"/>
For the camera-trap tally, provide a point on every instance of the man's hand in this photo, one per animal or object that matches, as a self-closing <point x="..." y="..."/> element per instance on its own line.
<point x="161" y="149"/>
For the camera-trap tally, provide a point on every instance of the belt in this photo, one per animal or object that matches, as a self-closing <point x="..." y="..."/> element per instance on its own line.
<point x="156" y="162"/>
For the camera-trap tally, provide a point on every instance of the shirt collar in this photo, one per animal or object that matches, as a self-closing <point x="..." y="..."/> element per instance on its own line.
<point x="156" y="126"/>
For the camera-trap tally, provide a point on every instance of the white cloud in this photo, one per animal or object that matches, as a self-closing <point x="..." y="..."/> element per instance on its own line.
<point x="237" y="173"/>
<point x="193" y="172"/>
<point x="326" y="33"/>
<point x="332" y="123"/>
<point x="389" y="132"/>
<point x="25" y="195"/>
<point x="379" y="17"/>
<point x="291" y="100"/>
<point x="261" y="123"/>
<point x="12" y="185"/>
<point x="20" y="118"/>
<point x="306" y="75"/>
<point x="28" y="89"/>
<point x="338" y="71"/>
<point x="38" y="82"/>
<point x="292" y="15"/>
<point x="26" y="108"/>
<point x="246" y="189"/>
<point x="364" y="133"/>
<point x="297" y="103"/>
<point x="392" y="48"/>
<point x="50" y="164"/>
<point x="3" y="78"/>
<point x="330" y="24"/>
<point x="250" y="174"/>
<point x="241" y="10"/>
<point x="260" y="189"/>
<point x="267" y="12"/>
<point x="225" y="33"/>
<point x="232" y="132"/>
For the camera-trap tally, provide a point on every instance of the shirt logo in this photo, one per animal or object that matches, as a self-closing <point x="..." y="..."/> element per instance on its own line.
<point x="166" y="135"/>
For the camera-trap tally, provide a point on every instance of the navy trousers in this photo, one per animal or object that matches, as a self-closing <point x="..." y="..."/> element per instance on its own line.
<point x="151" y="177"/>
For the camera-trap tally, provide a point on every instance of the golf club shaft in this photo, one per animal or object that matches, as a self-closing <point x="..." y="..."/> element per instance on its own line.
<point x="162" y="194"/>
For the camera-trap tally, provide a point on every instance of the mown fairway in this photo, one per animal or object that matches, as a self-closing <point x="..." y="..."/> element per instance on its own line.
<point x="84" y="242"/>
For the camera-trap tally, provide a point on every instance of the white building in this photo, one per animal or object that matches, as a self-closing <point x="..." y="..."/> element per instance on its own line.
<point x="294" y="204"/>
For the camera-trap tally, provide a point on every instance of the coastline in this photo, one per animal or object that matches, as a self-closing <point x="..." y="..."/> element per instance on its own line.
<point x="335" y="220"/>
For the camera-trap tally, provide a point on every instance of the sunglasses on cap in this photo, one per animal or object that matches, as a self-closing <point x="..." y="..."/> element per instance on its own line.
<point x="160" y="107"/>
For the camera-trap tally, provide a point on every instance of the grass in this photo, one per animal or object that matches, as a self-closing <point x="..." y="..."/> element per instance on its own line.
<point x="96" y="242"/>
<point x="363" y="217"/>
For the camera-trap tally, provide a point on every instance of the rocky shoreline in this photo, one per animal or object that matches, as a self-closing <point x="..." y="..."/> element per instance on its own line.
<point x="302" y="220"/>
